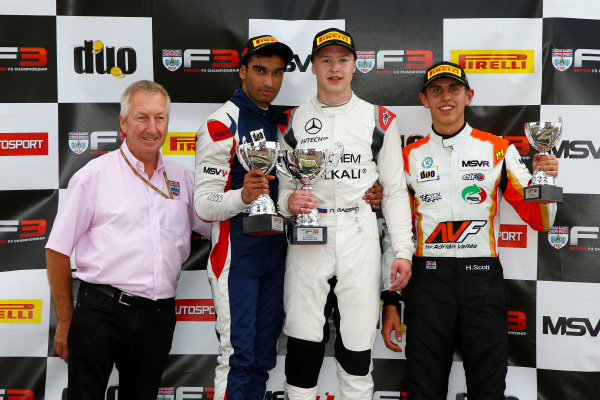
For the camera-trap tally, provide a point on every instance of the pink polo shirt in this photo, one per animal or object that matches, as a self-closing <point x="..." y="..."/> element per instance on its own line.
<point x="125" y="233"/>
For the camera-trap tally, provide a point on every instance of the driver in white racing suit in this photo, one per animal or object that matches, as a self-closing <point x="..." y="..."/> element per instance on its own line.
<point x="342" y="276"/>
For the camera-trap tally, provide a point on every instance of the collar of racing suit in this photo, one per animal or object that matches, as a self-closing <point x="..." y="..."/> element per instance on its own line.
<point x="448" y="136"/>
<point x="241" y="100"/>
<point x="450" y="141"/>
<point x="343" y="108"/>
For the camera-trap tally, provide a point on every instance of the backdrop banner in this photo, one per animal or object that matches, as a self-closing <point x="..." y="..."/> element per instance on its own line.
<point x="65" y="63"/>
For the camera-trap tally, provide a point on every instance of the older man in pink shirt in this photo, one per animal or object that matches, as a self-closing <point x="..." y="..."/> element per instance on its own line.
<point x="129" y="215"/>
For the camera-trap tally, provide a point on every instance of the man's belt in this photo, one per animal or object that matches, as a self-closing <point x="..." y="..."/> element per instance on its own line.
<point x="124" y="298"/>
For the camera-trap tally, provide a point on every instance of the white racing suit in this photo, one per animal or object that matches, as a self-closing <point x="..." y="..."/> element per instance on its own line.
<point x="343" y="275"/>
<point x="456" y="296"/>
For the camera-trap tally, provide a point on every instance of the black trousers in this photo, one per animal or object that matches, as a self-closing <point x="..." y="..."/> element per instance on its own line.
<point x="456" y="303"/>
<point x="104" y="332"/>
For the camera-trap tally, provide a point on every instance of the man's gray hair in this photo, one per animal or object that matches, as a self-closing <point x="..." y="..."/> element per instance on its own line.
<point x="148" y="87"/>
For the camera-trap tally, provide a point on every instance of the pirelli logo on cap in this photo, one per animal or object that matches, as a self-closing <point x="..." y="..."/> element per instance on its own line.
<point x="494" y="61"/>
<point x="180" y="144"/>
<point x="449" y="69"/>
<point x="333" y="36"/>
<point x="20" y="311"/>
<point x="263" y="39"/>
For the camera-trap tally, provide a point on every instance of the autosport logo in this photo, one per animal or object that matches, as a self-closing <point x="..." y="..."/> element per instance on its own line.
<point x="394" y="61"/>
<point x="21" y="311"/>
<point x="582" y="60"/>
<point x="494" y="61"/>
<point x="512" y="236"/>
<point x="25" y="230"/>
<point x="195" y="310"/>
<point x="17" y="394"/>
<point x="23" y="59"/>
<point x="201" y="60"/>
<point x="24" y="144"/>
<point x="474" y="194"/>
<point x="180" y="143"/>
<point x="94" y="57"/>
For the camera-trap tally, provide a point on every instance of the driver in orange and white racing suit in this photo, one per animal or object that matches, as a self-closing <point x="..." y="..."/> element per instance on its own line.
<point x="456" y="297"/>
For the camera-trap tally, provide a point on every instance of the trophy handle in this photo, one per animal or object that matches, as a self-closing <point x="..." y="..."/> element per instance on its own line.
<point x="274" y="161"/>
<point x="281" y="165"/>
<point x="333" y="158"/>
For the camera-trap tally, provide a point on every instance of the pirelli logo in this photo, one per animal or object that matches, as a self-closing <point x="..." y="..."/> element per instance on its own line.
<point x="263" y="40"/>
<point x="333" y="36"/>
<point x="444" y="68"/>
<point x="494" y="61"/>
<point x="180" y="143"/>
<point x="20" y="311"/>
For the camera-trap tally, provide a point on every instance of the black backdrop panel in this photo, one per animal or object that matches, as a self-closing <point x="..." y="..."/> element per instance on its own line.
<point x="97" y="128"/>
<point x="580" y="83"/>
<point x="574" y="258"/>
<point x="26" y="219"/>
<point x="27" y="59"/>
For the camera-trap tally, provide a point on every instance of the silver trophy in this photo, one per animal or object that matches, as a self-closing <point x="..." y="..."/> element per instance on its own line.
<point x="263" y="218"/>
<point x="543" y="136"/>
<point x="311" y="164"/>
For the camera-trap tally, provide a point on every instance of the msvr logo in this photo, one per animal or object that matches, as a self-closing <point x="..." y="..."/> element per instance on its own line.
<point x="576" y="149"/>
<point x="570" y="326"/>
<point x="215" y="171"/>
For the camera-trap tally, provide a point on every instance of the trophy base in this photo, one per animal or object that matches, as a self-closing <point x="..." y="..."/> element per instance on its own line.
<point x="543" y="194"/>
<point x="263" y="225"/>
<point x="308" y="235"/>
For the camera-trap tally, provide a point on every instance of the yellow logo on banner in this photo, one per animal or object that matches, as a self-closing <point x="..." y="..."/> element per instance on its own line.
<point x="263" y="40"/>
<point x="444" y="68"/>
<point x="180" y="144"/>
<point x="333" y="36"/>
<point x="21" y="311"/>
<point x="494" y="61"/>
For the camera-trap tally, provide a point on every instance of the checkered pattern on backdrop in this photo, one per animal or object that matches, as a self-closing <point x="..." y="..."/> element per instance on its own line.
<point x="64" y="64"/>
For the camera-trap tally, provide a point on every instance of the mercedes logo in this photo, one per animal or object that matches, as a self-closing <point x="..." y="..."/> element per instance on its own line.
<point x="313" y="126"/>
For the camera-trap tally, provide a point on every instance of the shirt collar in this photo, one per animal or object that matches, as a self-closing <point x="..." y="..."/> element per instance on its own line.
<point x="160" y="166"/>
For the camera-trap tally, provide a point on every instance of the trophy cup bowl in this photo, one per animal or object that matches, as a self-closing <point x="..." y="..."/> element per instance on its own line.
<point x="263" y="218"/>
<point x="543" y="136"/>
<point x="311" y="164"/>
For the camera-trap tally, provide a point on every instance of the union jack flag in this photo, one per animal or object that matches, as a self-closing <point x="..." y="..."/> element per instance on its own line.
<point x="78" y="135"/>
<point x="562" y="52"/>
<point x="166" y="393"/>
<point x="365" y="54"/>
<point x="430" y="265"/>
<point x="171" y="53"/>
<point x="556" y="230"/>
